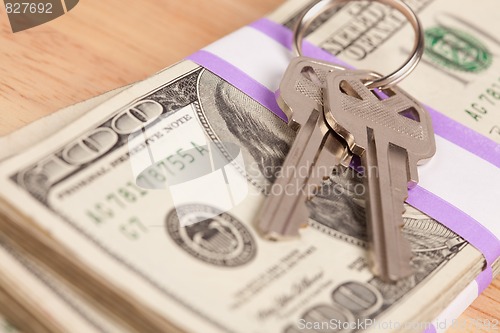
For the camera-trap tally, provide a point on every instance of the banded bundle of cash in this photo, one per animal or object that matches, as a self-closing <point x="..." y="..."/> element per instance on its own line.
<point x="137" y="214"/>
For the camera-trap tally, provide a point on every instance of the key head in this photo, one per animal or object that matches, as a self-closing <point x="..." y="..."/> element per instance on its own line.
<point x="393" y="116"/>
<point x="301" y="89"/>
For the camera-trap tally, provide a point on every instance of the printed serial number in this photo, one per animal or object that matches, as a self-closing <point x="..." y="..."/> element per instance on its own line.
<point x="170" y="166"/>
<point x="28" y="7"/>
<point x="488" y="99"/>
<point x="114" y="203"/>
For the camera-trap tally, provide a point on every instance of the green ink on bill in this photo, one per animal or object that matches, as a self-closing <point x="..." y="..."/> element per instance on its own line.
<point x="456" y="50"/>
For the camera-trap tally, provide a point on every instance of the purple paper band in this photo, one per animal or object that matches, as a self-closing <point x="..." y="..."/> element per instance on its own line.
<point x="445" y="127"/>
<point x="484" y="279"/>
<point x="238" y="79"/>
<point x="465" y="137"/>
<point x="284" y="36"/>
<point x="430" y="329"/>
<point x="462" y="224"/>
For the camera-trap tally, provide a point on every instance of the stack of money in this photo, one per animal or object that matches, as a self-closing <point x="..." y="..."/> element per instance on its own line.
<point x="134" y="211"/>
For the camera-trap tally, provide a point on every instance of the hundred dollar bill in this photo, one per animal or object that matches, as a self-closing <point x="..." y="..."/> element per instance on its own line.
<point x="18" y="141"/>
<point x="32" y="133"/>
<point x="26" y="275"/>
<point x="6" y="327"/>
<point x="496" y="267"/>
<point x="37" y="302"/>
<point x="459" y="74"/>
<point x="156" y="191"/>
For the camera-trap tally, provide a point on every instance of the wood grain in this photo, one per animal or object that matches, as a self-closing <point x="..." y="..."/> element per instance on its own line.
<point x="101" y="45"/>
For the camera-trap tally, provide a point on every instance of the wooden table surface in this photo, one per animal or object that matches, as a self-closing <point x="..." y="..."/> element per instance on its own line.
<point x="101" y="45"/>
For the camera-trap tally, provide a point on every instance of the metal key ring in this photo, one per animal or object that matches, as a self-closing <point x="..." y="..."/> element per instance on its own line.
<point x="306" y="18"/>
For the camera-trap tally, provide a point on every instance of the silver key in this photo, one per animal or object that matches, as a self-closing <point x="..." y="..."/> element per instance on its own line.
<point x="313" y="155"/>
<point x="392" y="135"/>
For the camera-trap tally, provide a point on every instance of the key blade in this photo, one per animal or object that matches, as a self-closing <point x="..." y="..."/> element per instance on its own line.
<point x="386" y="182"/>
<point x="274" y="220"/>
<point x="301" y="98"/>
<point x="296" y="218"/>
<point x="332" y="152"/>
<point x="392" y="132"/>
<point x="400" y="179"/>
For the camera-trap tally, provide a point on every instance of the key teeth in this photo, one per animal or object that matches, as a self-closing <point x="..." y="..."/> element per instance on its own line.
<point x="404" y="271"/>
<point x="404" y="268"/>
<point x="412" y="173"/>
<point x="278" y="237"/>
<point x="393" y="273"/>
<point x="288" y="235"/>
<point x="290" y="226"/>
<point x="401" y="276"/>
